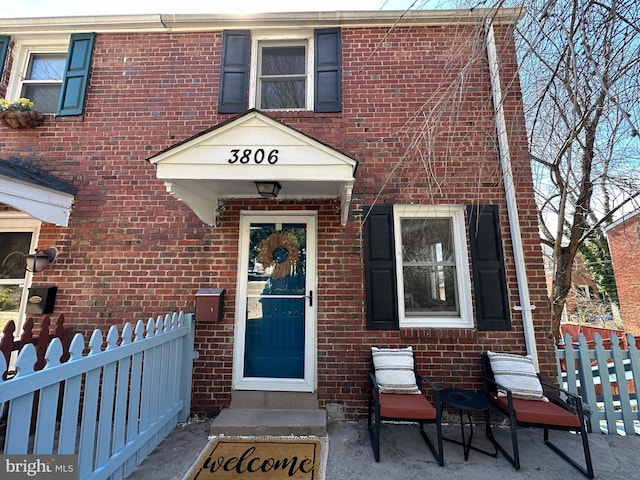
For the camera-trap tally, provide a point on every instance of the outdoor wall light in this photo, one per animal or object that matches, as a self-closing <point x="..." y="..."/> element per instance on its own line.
<point x="268" y="189"/>
<point x="41" y="259"/>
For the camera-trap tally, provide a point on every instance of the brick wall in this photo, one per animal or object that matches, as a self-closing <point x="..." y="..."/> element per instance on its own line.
<point x="624" y="244"/>
<point x="132" y="250"/>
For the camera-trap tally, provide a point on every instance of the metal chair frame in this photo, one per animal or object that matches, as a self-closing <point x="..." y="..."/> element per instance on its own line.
<point x="374" y="412"/>
<point x="555" y="394"/>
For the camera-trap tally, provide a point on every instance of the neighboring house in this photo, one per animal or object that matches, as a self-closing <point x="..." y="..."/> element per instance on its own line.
<point x="624" y="243"/>
<point x="380" y="143"/>
<point x="584" y="302"/>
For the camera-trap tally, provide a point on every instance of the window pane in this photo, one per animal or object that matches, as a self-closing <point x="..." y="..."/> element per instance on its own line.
<point x="13" y="247"/>
<point x="283" y="61"/>
<point x="282" y="94"/>
<point x="44" y="97"/>
<point x="429" y="268"/>
<point x="427" y="240"/>
<point x="430" y="290"/>
<point x="46" y="67"/>
<point x="10" y="296"/>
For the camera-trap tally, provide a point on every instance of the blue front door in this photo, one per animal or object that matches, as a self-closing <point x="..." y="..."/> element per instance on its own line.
<point x="276" y="300"/>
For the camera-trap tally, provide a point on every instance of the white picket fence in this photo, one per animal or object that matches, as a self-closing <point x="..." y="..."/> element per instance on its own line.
<point x="606" y="375"/>
<point x="112" y="406"/>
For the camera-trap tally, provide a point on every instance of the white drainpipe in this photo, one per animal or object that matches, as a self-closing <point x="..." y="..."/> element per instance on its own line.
<point x="512" y="208"/>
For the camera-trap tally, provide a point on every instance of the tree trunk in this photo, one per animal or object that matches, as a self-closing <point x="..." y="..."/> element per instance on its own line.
<point x="561" y="288"/>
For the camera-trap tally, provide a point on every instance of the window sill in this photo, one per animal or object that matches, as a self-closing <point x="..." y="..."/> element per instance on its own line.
<point x="290" y="114"/>
<point x="65" y="118"/>
<point x="450" y="333"/>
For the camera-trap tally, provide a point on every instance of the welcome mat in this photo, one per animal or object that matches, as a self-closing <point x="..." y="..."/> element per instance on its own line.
<point x="251" y="458"/>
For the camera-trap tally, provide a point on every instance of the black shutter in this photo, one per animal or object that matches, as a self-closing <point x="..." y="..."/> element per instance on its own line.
<point x="489" y="279"/>
<point x="328" y="71"/>
<point x="76" y="75"/>
<point x="234" y="71"/>
<point x="380" y="269"/>
<point x="4" y="47"/>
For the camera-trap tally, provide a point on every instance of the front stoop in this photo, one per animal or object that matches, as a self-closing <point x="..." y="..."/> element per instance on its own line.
<point x="270" y="422"/>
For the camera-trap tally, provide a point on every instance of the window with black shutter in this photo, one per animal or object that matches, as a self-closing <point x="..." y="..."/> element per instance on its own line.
<point x="416" y="267"/>
<point x="299" y="73"/>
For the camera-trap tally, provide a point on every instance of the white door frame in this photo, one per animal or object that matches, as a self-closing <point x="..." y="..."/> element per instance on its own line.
<point x="308" y="383"/>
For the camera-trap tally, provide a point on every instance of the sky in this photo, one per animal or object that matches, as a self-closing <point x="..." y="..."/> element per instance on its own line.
<point x="53" y="8"/>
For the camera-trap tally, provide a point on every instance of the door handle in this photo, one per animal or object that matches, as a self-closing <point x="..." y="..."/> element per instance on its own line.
<point x="310" y="297"/>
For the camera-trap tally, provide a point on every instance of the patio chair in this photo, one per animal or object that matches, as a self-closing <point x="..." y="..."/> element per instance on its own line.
<point x="517" y="391"/>
<point x="398" y="393"/>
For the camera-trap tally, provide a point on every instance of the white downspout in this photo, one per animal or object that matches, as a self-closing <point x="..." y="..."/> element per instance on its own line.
<point x="512" y="208"/>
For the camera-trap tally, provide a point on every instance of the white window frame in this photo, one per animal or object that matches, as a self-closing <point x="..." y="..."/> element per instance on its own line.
<point x="300" y="37"/>
<point x="456" y="213"/>
<point x="23" y="49"/>
<point x="585" y="292"/>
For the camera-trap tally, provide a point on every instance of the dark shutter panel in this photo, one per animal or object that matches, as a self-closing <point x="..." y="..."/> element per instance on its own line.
<point x="234" y="71"/>
<point x="380" y="269"/>
<point x="4" y="47"/>
<point x="328" y="71"/>
<point x="76" y="75"/>
<point x="489" y="279"/>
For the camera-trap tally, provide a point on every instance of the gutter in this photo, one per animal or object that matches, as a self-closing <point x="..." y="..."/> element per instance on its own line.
<point x="512" y="208"/>
<point x="211" y="22"/>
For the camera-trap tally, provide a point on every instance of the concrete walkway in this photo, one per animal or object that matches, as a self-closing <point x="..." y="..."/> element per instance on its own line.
<point x="404" y="456"/>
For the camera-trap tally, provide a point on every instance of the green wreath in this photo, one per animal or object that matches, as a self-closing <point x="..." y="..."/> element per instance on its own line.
<point x="279" y="251"/>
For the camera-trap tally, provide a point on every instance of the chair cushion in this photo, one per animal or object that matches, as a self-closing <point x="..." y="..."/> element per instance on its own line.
<point x="517" y="373"/>
<point x="407" y="407"/>
<point x="394" y="370"/>
<point x="534" y="411"/>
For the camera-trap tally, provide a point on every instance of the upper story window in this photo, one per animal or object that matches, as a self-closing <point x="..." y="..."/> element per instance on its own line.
<point x="43" y="80"/>
<point x="52" y="72"/>
<point x="281" y="71"/>
<point x="282" y="76"/>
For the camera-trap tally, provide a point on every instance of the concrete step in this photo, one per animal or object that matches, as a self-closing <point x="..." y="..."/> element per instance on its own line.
<point x="270" y="421"/>
<point x="277" y="400"/>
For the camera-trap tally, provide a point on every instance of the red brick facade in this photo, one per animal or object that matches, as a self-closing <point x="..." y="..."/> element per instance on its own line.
<point x="132" y="250"/>
<point x="624" y="244"/>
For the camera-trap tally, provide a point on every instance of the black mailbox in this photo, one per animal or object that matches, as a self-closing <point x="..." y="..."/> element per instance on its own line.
<point x="41" y="299"/>
<point x="209" y="303"/>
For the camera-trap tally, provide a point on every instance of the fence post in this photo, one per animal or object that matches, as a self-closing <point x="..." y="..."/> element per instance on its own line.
<point x="186" y="365"/>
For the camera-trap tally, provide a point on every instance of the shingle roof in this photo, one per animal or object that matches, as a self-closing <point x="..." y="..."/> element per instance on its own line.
<point x="18" y="170"/>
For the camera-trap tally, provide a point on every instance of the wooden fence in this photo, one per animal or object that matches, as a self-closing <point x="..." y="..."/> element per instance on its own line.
<point x="604" y="372"/>
<point x="114" y="404"/>
<point x="10" y="347"/>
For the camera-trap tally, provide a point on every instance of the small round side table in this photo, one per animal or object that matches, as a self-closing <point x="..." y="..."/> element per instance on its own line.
<point x="469" y="402"/>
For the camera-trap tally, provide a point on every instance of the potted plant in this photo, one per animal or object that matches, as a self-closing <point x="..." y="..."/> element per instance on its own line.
<point x="19" y="114"/>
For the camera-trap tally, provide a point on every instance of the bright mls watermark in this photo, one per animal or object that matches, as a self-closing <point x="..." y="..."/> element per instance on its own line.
<point x="49" y="467"/>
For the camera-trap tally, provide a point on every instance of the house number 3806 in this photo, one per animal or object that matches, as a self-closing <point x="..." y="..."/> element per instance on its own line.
<point x="249" y="155"/>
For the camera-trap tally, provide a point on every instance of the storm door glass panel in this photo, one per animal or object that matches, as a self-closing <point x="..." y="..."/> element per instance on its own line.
<point x="429" y="267"/>
<point x="274" y="342"/>
<point x="283" y="77"/>
<point x="13" y="248"/>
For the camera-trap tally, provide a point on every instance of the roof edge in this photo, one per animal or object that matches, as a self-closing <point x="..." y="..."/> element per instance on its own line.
<point x="204" y="22"/>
